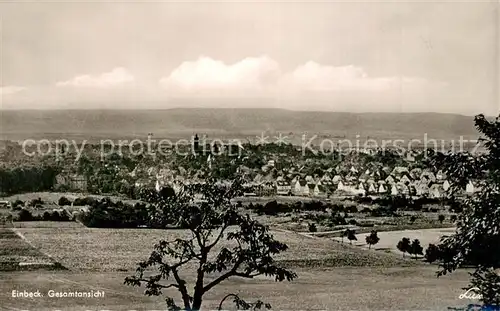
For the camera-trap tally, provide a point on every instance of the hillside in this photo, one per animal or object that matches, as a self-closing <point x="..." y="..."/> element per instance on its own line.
<point x="229" y="123"/>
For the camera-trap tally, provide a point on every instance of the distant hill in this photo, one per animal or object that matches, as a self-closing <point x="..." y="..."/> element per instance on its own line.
<point x="229" y="123"/>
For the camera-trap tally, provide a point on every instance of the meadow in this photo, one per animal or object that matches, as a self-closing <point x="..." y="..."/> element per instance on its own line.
<point x="332" y="276"/>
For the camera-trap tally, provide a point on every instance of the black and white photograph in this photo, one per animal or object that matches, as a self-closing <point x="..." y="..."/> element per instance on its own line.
<point x="249" y="155"/>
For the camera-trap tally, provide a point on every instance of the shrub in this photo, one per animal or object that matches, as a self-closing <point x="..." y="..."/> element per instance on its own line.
<point x="404" y="246"/>
<point x="441" y="218"/>
<point x="25" y="215"/>
<point x="372" y="239"/>
<point x="312" y="227"/>
<point x="63" y="201"/>
<point x="432" y="253"/>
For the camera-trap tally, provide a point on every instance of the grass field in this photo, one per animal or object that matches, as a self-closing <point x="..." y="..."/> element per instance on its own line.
<point x="88" y="249"/>
<point x="389" y="239"/>
<point x="332" y="276"/>
<point x="18" y="254"/>
<point x="324" y="289"/>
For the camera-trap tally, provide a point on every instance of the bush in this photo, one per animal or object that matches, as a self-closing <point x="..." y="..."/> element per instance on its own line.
<point x="441" y="218"/>
<point x="312" y="228"/>
<point x="351" y="209"/>
<point x="25" y="215"/>
<point x="366" y="210"/>
<point x="432" y="253"/>
<point x="35" y="202"/>
<point x="17" y="203"/>
<point x="63" y="201"/>
<point x="86" y="201"/>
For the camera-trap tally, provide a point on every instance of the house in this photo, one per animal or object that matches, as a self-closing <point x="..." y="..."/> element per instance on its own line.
<point x="390" y="180"/>
<point x="436" y="191"/>
<point x="361" y="189"/>
<point x="364" y="177"/>
<point x="266" y="188"/>
<point x="403" y="189"/>
<point x="440" y="175"/>
<point x="410" y="157"/>
<point x="372" y="188"/>
<point x="405" y="179"/>
<point x="394" y="189"/>
<point x="283" y="187"/>
<point x="470" y="188"/>
<point x="446" y="185"/>
<point x="300" y="187"/>
<point x="415" y="173"/>
<point x="326" y="177"/>
<point x="74" y="182"/>
<point x="428" y="175"/>
<point x="398" y="170"/>
<point x="319" y="190"/>
<point x="382" y="188"/>
<point x="340" y="186"/>
<point x="336" y="179"/>
<point x="421" y="188"/>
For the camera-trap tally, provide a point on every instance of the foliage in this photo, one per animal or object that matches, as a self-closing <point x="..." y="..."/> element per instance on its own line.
<point x="441" y="218"/>
<point x="21" y="179"/>
<point x="312" y="227"/>
<point x="477" y="237"/>
<point x="63" y="201"/>
<point x="432" y="253"/>
<point x="372" y="239"/>
<point x="351" y="235"/>
<point x="107" y="214"/>
<point x="415" y="248"/>
<point x="404" y="246"/>
<point x="248" y="251"/>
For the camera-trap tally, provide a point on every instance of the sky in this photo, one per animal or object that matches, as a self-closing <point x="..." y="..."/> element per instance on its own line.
<point x="335" y="56"/>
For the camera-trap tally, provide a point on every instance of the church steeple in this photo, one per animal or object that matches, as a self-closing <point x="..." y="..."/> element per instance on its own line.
<point x="196" y="143"/>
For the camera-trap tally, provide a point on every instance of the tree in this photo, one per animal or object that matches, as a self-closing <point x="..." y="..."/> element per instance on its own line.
<point x="476" y="240"/>
<point x="372" y="239"/>
<point x="351" y="236"/>
<point x="312" y="227"/>
<point x="432" y="253"/>
<point x="441" y="218"/>
<point x="404" y="246"/>
<point x="222" y="241"/>
<point x="453" y="218"/>
<point x="415" y="248"/>
<point x="64" y="201"/>
<point x="413" y="218"/>
<point x="344" y="234"/>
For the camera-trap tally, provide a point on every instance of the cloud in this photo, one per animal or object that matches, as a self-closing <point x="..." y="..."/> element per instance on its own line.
<point x="316" y="77"/>
<point x="262" y="74"/>
<point x="11" y="89"/>
<point x="208" y="74"/>
<point x="115" y="77"/>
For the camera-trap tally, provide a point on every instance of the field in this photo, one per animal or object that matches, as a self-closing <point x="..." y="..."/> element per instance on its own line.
<point x="389" y="239"/>
<point x="332" y="276"/>
<point x="325" y="289"/>
<point x="89" y="249"/>
<point x="18" y="254"/>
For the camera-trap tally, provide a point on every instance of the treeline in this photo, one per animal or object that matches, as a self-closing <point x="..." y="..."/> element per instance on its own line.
<point x="274" y="208"/>
<point x="26" y="215"/>
<point x="401" y="202"/>
<point x="105" y="213"/>
<point x="27" y="179"/>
